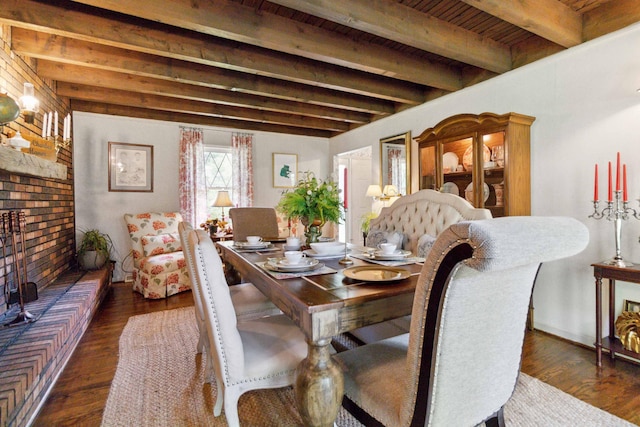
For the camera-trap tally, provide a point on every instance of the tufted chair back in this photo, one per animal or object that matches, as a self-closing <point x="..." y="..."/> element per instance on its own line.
<point x="149" y="224"/>
<point x="425" y="212"/>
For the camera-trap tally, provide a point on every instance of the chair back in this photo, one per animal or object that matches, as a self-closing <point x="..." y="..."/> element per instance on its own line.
<point x="425" y="212"/>
<point x="469" y="315"/>
<point x="254" y="222"/>
<point x="184" y="228"/>
<point x="150" y="224"/>
<point x="218" y="308"/>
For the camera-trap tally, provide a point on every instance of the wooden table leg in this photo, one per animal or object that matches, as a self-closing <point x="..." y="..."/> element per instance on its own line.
<point x="319" y="386"/>
<point x="599" y="321"/>
<point x="612" y="326"/>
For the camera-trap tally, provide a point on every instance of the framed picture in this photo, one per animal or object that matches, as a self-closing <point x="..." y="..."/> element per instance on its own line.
<point x="632" y="306"/>
<point x="285" y="170"/>
<point x="130" y="167"/>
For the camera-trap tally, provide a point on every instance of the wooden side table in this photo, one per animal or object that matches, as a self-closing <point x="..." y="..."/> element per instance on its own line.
<point x="613" y="273"/>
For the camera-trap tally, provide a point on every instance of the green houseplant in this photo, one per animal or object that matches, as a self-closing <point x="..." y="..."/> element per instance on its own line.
<point x="94" y="249"/>
<point x="315" y="202"/>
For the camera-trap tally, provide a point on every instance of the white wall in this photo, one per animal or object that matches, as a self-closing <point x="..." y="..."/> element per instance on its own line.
<point x="96" y="207"/>
<point x="586" y="109"/>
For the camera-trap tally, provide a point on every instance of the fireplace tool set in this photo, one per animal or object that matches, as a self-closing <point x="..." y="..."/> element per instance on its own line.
<point x="12" y="230"/>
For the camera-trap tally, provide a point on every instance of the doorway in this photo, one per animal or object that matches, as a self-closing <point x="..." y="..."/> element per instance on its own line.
<point x="354" y="172"/>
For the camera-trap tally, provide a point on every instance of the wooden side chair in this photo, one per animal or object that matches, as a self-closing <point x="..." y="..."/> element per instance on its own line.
<point x="459" y="364"/>
<point x="246" y="354"/>
<point x="254" y="222"/>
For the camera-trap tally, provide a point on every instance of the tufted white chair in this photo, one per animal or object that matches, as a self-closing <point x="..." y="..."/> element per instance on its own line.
<point x="460" y="362"/>
<point x="425" y="212"/>
<point x="248" y="354"/>
<point x="248" y="301"/>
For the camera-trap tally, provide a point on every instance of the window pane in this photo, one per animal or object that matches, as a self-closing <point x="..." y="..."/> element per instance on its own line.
<point x="218" y="177"/>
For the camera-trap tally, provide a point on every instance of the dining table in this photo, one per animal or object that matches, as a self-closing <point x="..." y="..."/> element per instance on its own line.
<point x="324" y="303"/>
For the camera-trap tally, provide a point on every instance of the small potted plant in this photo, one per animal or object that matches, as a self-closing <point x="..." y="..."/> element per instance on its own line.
<point x="94" y="250"/>
<point x="365" y="223"/>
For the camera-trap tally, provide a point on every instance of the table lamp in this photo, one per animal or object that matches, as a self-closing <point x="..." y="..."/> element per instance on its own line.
<point x="223" y="200"/>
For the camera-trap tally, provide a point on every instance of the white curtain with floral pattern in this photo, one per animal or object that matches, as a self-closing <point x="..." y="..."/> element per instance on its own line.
<point x="242" y="169"/>
<point x="191" y="182"/>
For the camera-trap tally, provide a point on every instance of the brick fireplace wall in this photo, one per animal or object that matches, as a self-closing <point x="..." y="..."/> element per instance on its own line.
<point x="48" y="204"/>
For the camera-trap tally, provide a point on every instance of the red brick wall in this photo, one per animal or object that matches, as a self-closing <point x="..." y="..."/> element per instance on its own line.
<point x="48" y="204"/>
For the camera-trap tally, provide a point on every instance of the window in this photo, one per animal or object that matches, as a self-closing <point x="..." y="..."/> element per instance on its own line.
<point x="217" y="164"/>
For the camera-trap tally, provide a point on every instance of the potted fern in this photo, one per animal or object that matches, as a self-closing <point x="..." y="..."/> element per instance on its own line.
<point x="94" y="250"/>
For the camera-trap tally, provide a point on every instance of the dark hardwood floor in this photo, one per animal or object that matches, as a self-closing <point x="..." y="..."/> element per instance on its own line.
<point x="79" y="396"/>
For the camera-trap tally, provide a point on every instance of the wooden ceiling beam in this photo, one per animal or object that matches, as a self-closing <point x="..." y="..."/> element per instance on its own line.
<point x="236" y="22"/>
<point x="165" y="103"/>
<point x="73" y="51"/>
<point x="210" y="51"/>
<point x="610" y="17"/>
<point x="166" y="116"/>
<point x="76" y="74"/>
<point x="549" y="19"/>
<point x="403" y="24"/>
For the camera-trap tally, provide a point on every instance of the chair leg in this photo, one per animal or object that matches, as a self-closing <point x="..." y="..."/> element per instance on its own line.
<point x="231" y="408"/>
<point x="496" y="420"/>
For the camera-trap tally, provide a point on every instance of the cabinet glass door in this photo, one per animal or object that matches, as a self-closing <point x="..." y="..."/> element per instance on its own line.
<point x="427" y="156"/>
<point x="457" y="166"/>
<point x="493" y="171"/>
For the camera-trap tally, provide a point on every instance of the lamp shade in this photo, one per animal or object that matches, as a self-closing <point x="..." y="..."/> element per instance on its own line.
<point x="223" y="199"/>
<point x="390" y="190"/>
<point x="374" y="191"/>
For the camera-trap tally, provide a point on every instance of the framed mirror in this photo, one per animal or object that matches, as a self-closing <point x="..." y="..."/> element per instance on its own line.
<point x="395" y="162"/>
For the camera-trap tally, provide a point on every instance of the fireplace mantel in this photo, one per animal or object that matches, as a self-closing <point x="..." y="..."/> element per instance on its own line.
<point x="21" y="163"/>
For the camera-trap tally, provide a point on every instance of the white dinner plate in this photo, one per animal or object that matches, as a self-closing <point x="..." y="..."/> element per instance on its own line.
<point x="398" y="254"/>
<point x="314" y="254"/>
<point x="376" y="273"/>
<point x="281" y="264"/>
<point x="449" y="162"/>
<point x="451" y="188"/>
<point x="468" y="192"/>
<point x="247" y="245"/>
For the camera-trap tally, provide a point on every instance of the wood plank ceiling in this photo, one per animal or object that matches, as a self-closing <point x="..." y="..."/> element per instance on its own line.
<point x="306" y="67"/>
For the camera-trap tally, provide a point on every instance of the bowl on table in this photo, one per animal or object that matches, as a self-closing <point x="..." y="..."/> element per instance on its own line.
<point x="327" y="248"/>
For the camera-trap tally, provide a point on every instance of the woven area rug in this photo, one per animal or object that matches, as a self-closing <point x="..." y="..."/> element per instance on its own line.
<point x="160" y="382"/>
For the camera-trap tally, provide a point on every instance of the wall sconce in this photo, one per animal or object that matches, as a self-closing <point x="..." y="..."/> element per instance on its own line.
<point x="387" y="193"/>
<point x="222" y="201"/>
<point x="29" y="104"/>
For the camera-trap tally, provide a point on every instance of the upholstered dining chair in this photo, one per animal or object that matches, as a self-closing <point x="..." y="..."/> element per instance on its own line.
<point x="460" y="361"/>
<point x="247" y="354"/>
<point x="254" y="222"/>
<point x="247" y="300"/>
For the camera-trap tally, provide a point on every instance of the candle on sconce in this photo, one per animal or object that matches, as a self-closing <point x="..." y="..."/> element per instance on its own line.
<point x="595" y="186"/>
<point x="345" y="189"/>
<point x="618" y="172"/>
<point x="55" y="124"/>
<point x="44" y="124"/>
<point x="610" y="195"/>
<point x="624" y="183"/>
<point x="49" y="122"/>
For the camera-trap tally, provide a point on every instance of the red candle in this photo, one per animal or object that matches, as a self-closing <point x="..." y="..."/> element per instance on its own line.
<point x="345" y="188"/>
<point x="595" y="186"/>
<point x="624" y="183"/>
<point x="610" y="194"/>
<point x="618" y="173"/>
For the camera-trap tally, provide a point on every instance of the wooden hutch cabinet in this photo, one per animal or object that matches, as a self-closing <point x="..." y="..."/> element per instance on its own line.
<point x="484" y="158"/>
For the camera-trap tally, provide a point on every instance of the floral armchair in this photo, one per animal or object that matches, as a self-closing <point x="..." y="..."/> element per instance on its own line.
<point x="160" y="269"/>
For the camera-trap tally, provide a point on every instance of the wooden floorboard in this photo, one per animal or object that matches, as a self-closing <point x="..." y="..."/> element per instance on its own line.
<point x="79" y="396"/>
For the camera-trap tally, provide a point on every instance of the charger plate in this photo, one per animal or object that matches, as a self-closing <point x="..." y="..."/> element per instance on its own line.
<point x="281" y="264"/>
<point x="370" y="273"/>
